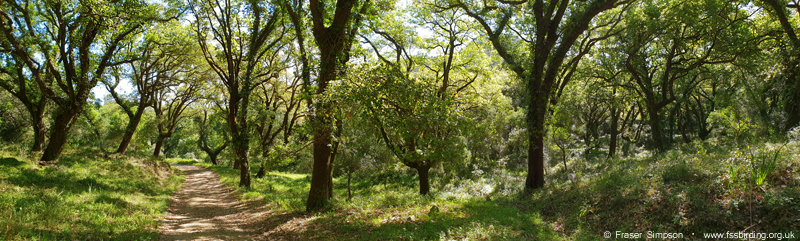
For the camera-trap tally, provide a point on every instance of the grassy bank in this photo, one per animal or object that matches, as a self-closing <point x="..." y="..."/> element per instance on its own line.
<point x="692" y="189"/>
<point x="84" y="197"/>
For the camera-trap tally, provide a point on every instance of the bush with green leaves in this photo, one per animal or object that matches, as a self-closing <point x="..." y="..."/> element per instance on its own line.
<point x="730" y="121"/>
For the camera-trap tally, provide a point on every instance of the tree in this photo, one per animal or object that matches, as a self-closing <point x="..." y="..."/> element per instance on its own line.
<point x="243" y="34"/>
<point x="13" y="118"/>
<point x="610" y="83"/>
<point x="213" y="138"/>
<point x="169" y="107"/>
<point x="276" y="115"/>
<point x="536" y="49"/>
<point x="166" y="47"/>
<point x="416" y="115"/>
<point x="21" y="87"/>
<point x="75" y="42"/>
<point x="778" y="9"/>
<point x="669" y="45"/>
<point x="333" y="33"/>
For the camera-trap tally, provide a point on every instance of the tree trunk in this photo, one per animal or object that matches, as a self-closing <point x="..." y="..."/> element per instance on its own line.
<point x="793" y="105"/>
<point x="130" y="129"/>
<point x="261" y="172"/>
<point x="684" y="133"/>
<point x="320" y="176"/>
<point x="563" y="156"/>
<point x="241" y="146"/>
<point x="213" y="157"/>
<point x="535" y="178"/>
<point x="655" y="128"/>
<point x="39" y="132"/>
<point x="236" y="163"/>
<point x="212" y="153"/>
<point x="536" y="132"/>
<point x="673" y="119"/>
<point x="612" y="146"/>
<point x="244" y="171"/>
<point x="334" y="52"/>
<point x="58" y="132"/>
<point x="424" y="185"/>
<point x="233" y="109"/>
<point x="334" y="151"/>
<point x="242" y="142"/>
<point x="159" y="144"/>
<point x="703" y="133"/>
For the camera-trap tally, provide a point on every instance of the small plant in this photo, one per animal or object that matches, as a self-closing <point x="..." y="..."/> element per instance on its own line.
<point x="762" y="165"/>
<point x="733" y="173"/>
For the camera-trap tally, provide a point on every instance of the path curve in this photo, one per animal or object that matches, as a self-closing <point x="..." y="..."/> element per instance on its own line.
<point x="205" y="209"/>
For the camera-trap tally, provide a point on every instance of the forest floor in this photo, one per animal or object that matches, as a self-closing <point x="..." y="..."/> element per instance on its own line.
<point x="691" y="190"/>
<point x="204" y="209"/>
<point x="86" y="196"/>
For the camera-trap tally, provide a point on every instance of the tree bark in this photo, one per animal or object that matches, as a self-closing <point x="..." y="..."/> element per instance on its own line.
<point x="39" y="130"/>
<point x="241" y="142"/>
<point x="424" y="184"/>
<point x="244" y="170"/>
<point x="262" y="171"/>
<point x="655" y="128"/>
<point x="321" y="175"/>
<point x="159" y="145"/>
<point x="213" y="157"/>
<point x="536" y="132"/>
<point x="793" y="105"/>
<point x="130" y="129"/>
<point x="35" y="105"/>
<point x="334" y="49"/>
<point x="58" y="132"/>
<point x="321" y="179"/>
<point x="612" y="146"/>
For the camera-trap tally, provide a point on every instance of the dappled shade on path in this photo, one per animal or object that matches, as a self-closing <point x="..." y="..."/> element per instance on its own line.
<point x="204" y="209"/>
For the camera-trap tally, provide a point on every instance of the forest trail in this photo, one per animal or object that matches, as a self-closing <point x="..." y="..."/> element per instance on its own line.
<point x="205" y="209"/>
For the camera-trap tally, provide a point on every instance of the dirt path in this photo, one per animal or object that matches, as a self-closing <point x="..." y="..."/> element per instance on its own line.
<point x="204" y="209"/>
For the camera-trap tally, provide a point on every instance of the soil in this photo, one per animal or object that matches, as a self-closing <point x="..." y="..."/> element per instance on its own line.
<point x="205" y="209"/>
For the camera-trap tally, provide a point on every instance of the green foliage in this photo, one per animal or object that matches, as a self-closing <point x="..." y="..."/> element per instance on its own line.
<point x="13" y="119"/>
<point x="677" y="191"/>
<point x="426" y="88"/>
<point x="731" y="122"/>
<point x="386" y="207"/>
<point x="763" y="164"/>
<point x="733" y="174"/>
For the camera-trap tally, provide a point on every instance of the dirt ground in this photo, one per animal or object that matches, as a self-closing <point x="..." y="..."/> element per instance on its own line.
<point x="204" y="209"/>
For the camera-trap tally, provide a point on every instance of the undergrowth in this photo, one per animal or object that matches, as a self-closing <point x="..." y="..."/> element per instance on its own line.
<point x="84" y="197"/>
<point x="694" y="188"/>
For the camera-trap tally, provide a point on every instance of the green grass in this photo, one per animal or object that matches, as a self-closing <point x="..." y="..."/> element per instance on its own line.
<point x="383" y="210"/>
<point x="688" y="189"/>
<point x="84" y="197"/>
